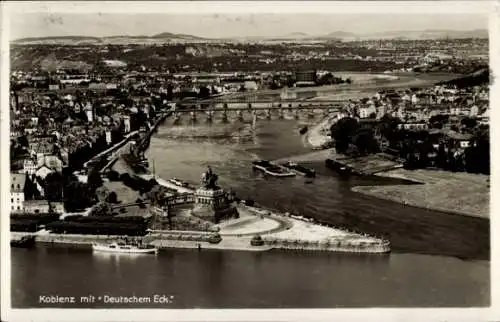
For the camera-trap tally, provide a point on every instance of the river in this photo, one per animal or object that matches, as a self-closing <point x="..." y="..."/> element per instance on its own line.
<point x="437" y="260"/>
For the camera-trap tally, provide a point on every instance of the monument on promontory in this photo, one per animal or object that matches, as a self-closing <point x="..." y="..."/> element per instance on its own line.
<point x="212" y="203"/>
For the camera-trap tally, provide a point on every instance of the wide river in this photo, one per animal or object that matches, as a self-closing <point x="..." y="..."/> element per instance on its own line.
<point x="437" y="260"/>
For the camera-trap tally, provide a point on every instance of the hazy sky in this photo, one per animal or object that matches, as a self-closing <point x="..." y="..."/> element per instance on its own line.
<point x="232" y="25"/>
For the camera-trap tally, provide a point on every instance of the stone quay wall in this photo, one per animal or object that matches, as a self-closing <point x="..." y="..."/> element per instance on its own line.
<point x="341" y="246"/>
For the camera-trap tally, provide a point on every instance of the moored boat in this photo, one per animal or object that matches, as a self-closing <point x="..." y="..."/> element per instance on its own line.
<point x="24" y="242"/>
<point x="125" y="248"/>
<point x="144" y="162"/>
<point x="180" y="183"/>
<point x="307" y="172"/>
<point x="272" y="169"/>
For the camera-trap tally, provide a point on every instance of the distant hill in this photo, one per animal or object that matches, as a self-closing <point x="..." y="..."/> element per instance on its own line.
<point x="477" y="33"/>
<point x="126" y="37"/>
<point x="341" y="34"/>
<point x="335" y="35"/>
<point x="400" y="35"/>
<point x="77" y="38"/>
<point x="63" y="40"/>
<point x="117" y="39"/>
<point x="428" y="34"/>
<point x="176" y="36"/>
<point x="296" y="35"/>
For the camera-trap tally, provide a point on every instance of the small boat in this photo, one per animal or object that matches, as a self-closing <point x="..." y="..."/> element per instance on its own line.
<point x="125" y="248"/>
<point x="144" y="162"/>
<point x="303" y="130"/>
<point x="272" y="169"/>
<point x="307" y="172"/>
<point x="24" y="242"/>
<point x="179" y="183"/>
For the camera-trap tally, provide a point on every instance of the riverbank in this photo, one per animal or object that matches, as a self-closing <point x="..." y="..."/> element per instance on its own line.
<point x="318" y="137"/>
<point x="452" y="192"/>
<point x="276" y="231"/>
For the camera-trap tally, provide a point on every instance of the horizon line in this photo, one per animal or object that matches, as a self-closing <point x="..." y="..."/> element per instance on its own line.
<point x="305" y="34"/>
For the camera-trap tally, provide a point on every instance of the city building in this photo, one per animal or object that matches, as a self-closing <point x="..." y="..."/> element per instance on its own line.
<point x="29" y="166"/>
<point x="17" y="194"/>
<point x="306" y="76"/>
<point x="36" y="206"/>
<point x="367" y="111"/>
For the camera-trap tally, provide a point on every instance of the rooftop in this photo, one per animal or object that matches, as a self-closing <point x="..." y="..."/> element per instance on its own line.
<point x="459" y="136"/>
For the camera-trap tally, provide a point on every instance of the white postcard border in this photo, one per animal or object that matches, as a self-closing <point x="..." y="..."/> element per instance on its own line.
<point x="452" y="314"/>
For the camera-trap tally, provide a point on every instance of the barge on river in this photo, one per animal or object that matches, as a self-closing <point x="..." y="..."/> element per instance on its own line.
<point x="299" y="169"/>
<point x="272" y="169"/>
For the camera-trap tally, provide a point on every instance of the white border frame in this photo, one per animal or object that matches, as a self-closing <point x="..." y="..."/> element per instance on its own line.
<point x="400" y="314"/>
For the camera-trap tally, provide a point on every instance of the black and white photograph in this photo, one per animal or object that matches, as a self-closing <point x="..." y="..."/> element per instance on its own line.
<point x="258" y="155"/>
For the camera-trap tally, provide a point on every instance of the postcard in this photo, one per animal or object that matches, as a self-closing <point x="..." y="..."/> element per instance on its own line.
<point x="248" y="161"/>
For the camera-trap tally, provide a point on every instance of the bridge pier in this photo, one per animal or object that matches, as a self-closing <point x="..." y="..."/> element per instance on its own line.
<point x="290" y="107"/>
<point x="193" y="115"/>
<point x="254" y="120"/>
<point x="310" y="113"/>
<point x="177" y="117"/>
<point x="268" y="113"/>
<point x="240" y="115"/>
<point x="224" y="117"/>
<point x="210" y="116"/>
<point x="281" y="113"/>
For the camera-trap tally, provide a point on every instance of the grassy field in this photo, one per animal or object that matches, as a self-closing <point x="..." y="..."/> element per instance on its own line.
<point x="453" y="192"/>
<point x="124" y="193"/>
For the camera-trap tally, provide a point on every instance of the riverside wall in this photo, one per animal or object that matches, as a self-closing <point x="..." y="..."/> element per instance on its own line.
<point x="80" y="239"/>
<point x="375" y="246"/>
<point x="144" y="144"/>
<point x="340" y="246"/>
<point x="178" y="239"/>
<point x="68" y="238"/>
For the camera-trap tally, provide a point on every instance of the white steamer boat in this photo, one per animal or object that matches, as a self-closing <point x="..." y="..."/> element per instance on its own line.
<point x="124" y="248"/>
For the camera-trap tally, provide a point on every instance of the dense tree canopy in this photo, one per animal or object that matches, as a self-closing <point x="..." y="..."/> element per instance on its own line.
<point x="343" y="133"/>
<point x="53" y="187"/>
<point x="94" y="180"/>
<point x="76" y="196"/>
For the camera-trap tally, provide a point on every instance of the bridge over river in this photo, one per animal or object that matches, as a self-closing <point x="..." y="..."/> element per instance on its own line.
<point x="268" y="108"/>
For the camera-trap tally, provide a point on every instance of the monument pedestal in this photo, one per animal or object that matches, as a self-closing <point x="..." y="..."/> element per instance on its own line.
<point x="212" y="204"/>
